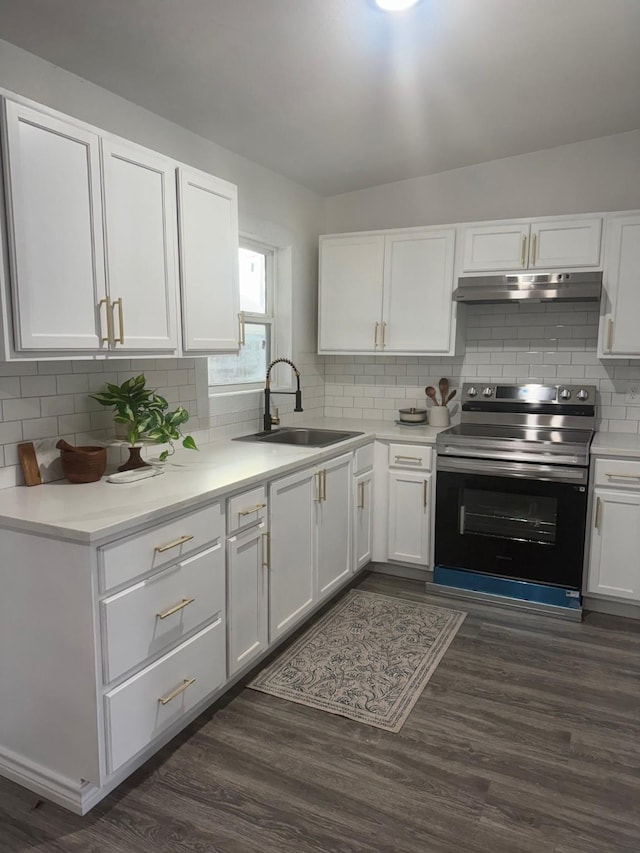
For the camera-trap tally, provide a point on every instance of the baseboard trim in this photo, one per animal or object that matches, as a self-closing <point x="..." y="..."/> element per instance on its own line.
<point x="76" y="796"/>
<point x="401" y="571"/>
<point x="611" y="608"/>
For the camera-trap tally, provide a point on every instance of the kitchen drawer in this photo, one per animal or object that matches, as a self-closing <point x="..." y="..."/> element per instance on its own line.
<point x="246" y="509"/>
<point x="363" y="458"/>
<point x="410" y="456"/>
<point x="128" y="559"/>
<point x="141" y="708"/>
<point x="618" y="473"/>
<point x="155" y="614"/>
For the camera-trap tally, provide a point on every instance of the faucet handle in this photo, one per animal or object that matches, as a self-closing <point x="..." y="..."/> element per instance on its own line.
<point x="275" y="419"/>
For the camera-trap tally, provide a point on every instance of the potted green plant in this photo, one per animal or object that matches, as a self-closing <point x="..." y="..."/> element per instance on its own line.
<point x="146" y="416"/>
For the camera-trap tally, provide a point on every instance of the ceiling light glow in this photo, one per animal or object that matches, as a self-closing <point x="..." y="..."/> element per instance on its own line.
<point x="395" y="5"/>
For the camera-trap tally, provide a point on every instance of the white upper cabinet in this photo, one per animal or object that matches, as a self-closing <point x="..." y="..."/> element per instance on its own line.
<point x="620" y="307"/>
<point x="350" y="298"/>
<point x="548" y="244"/>
<point x="387" y="292"/>
<point x="208" y="225"/>
<point x="140" y="235"/>
<point x="93" y="236"/>
<point x="54" y="217"/>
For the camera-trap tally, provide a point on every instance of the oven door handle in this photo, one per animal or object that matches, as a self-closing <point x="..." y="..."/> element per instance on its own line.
<point x="522" y="470"/>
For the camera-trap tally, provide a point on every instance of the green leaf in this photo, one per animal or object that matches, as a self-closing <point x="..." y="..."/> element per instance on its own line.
<point x="189" y="443"/>
<point x="163" y="455"/>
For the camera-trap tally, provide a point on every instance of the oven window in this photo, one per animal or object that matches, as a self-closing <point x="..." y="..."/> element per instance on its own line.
<point x="508" y="516"/>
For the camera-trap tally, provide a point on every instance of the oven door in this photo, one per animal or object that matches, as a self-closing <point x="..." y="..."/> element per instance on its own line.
<point x="512" y="520"/>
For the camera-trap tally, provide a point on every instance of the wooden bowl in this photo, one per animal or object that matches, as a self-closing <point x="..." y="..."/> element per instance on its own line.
<point x="84" y="464"/>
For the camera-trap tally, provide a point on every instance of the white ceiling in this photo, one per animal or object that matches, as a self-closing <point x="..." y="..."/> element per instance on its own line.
<point x="339" y="96"/>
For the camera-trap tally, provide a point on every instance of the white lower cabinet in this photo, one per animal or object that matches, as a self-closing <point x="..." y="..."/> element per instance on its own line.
<point x="292" y="564"/>
<point x="247" y="579"/>
<point x="614" y="564"/>
<point x="409" y="504"/>
<point x="310" y="531"/>
<point x="363" y="507"/>
<point x="409" y="512"/>
<point x="143" y="707"/>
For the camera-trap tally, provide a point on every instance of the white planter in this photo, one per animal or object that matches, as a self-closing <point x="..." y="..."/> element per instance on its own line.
<point x="439" y="416"/>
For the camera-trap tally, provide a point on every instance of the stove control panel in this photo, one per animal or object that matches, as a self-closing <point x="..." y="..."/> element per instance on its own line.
<point x="523" y="396"/>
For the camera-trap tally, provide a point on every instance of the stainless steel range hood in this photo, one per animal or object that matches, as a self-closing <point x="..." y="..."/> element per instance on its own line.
<point x="563" y="286"/>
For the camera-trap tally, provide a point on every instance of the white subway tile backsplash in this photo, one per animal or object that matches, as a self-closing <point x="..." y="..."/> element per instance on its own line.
<point x="21" y="408"/>
<point x="39" y="428"/>
<point x="37" y="386"/>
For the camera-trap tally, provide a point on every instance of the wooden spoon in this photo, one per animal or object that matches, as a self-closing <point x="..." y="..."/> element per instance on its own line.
<point x="452" y="395"/>
<point x="430" y="391"/>
<point x="443" y="385"/>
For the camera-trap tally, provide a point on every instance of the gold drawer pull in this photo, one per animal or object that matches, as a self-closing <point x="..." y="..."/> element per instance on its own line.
<point x="384" y="331"/>
<point x="109" y="319"/>
<point x="409" y="458"/>
<point x="241" y="337"/>
<point x="169" y="545"/>
<point x="596" y="521"/>
<point x="375" y="335"/>
<point x="175" y="608"/>
<point x="523" y="250"/>
<point x="187" y="682"/>
<point x="609" y="334"/>
<point x="251" y="509"/>
<point x="534" y="247"/>
<point x="361" y="496"/>
<point x="624" y="476"/>
<point x="266" y="550"/>
<point x="120" y="338"/>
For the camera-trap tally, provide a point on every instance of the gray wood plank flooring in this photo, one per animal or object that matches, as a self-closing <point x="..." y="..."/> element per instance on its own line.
<point x="526" y="740"/>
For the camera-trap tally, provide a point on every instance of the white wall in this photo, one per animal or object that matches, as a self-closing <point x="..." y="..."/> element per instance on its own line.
<point x="601" y="174"/>
<point x="535" y="343"/>
<point x="45" y="399"/>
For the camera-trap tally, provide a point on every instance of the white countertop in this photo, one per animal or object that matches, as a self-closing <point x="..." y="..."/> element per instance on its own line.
<point x="616" y="444"/>
<point x="92" y="512"/>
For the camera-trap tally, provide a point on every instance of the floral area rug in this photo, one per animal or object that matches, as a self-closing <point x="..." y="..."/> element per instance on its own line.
<point x="368" y="658"/>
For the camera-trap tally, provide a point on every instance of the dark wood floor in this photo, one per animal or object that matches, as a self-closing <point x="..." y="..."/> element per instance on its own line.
<point x="527" y="738"/>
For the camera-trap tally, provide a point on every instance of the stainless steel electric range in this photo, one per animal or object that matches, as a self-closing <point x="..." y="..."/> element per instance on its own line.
<point x="511" y="492"/>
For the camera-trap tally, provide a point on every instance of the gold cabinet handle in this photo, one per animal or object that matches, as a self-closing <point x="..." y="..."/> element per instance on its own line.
<point x="266" y="550"/>
<point x="624" y="476"/>
<point x="534" y="246"/>
<point x="375" y="335"/>
<point x="120" y="338"/>
<point x="523" y="250"/>
<point x="176" y="607"/>
<point x="596" y="521"/>
<point x="318" y="477"/>
<point x="425" y="490"/>
<point x="169" y="545"/>
<point x="241" y="337"/>
<point x="186" y="682"/>
<point x="609" y="333"/>
<point x="400" y="459"/>
<point x="361" y="495"/>
<point x="384" y="329"/>
<point x="251" y="509"/>
<point x="109" y="337"/>
<point x="324" y="484"/>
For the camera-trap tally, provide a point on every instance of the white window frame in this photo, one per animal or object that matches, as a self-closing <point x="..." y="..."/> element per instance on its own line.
<point x="278" y="316"/>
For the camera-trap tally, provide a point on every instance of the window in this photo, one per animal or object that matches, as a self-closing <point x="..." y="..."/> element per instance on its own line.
<point x="246" y="369"/>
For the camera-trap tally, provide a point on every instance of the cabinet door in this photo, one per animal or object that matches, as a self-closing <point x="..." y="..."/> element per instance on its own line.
<point x="502" y="246"/>
<point x="333" y="513"/>
<point x="247" y="598"/>
<point x="208" y="232"/>
<point x="614" y="568"/>
<point x="54" y="221"/>
<point x="350" y="293"/>
<point x="139" y="193"/>
<point x="292" y="529"/>
<point x="619" y="328"/>
<point x="565" y="243"/>
<point x="362" y="519"/>
<point x="408" y="539"/>
<point x="418" y="282"/>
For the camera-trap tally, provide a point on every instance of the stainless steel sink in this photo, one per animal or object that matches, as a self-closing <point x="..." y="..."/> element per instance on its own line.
<point x="304" y="436"/>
